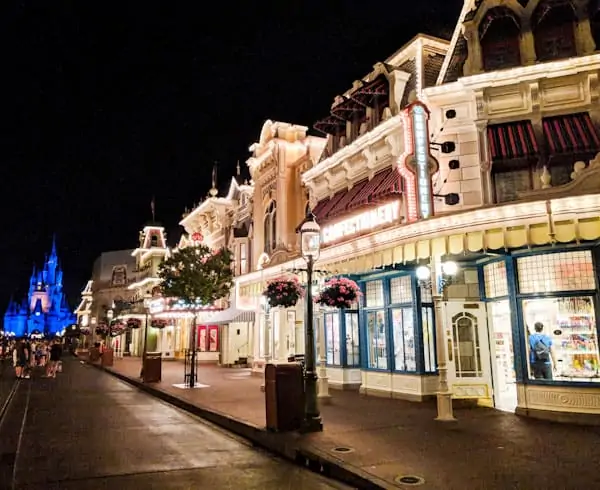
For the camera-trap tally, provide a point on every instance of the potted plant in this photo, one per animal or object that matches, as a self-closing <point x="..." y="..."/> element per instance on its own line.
<point x="134" y="323"/>
<point x="338" y="293"/>
<point x="117" y="329"/>
<point x="284" y="292"/>
<point x="158" y="323"/>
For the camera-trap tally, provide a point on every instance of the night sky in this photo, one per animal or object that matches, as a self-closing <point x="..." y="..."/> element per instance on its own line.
<point x="105" y="105"/>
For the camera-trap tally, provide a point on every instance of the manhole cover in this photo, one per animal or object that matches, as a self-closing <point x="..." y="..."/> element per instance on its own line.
<point x="410" y="480"/>
<point x="342" y="450"/>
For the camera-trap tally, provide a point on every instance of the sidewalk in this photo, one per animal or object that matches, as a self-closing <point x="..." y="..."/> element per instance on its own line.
<point x="486" y="449"/>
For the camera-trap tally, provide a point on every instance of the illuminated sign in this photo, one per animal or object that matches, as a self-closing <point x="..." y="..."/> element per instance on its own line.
<point x="418" y="165"/>
<point x="388" y="213"/>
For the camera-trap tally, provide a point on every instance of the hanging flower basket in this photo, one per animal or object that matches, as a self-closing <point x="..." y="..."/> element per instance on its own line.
<point x="134" y="323"/>
<point x="118" y="329"/>
<point x="102" y="329"/>
<point x="283" y="292"/>
<point x="338" y="293"/>
<point x="158" y="323"/>
<point x="84" y="330"/>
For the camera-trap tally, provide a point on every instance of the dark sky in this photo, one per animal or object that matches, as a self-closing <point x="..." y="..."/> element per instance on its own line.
<point x="105" y="105"/>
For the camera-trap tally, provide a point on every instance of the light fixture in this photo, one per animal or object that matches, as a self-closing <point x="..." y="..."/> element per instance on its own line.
<point x="310" y="238"/>
<point x="449" y="268"/>
<point x="423" y="273"/>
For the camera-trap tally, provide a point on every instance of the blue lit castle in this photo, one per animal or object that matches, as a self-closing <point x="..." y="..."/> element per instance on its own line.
<point x="45" y="310"/>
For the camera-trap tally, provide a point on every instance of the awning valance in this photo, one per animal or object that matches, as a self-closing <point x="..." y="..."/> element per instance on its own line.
<point x="232" y="315"/>
<point x="513" y="140"/>
<point x="571" y="134"/>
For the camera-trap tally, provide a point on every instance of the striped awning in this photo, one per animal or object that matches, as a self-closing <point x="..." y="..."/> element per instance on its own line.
<point x="571" y="134"/>
<point x="510" y="141"/>
<point x="342" y="206"/>
<point x="232" y="315"/>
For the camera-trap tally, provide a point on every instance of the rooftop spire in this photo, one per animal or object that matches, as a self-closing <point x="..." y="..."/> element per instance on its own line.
<point x="213" y="190"/>
<point x="53" y="253"/>
<point x="237" y="169"/>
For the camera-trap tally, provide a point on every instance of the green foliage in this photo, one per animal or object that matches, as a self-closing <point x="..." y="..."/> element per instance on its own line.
<point x="197" y="274"/>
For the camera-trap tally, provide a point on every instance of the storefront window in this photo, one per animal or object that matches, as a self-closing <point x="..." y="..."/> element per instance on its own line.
<point x="332" y="338"/>
<point x="563" y="271"/>
<point x="496" y="283"/>
<point x="403" y="329"/>
<point x="374" y="296"/>
<point x="401" y="290"/>
<point x="569" y="325"/>
<point x="376" y="338"/>
<point x="352" y="340"/>
<point x="261" y="336"/>
<point x="428" y="339"/>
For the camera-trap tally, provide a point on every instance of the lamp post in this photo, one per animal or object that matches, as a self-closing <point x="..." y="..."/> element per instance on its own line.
<point x="428" y="277"/>
<point x="310" y="239"/>
<point x="109" y="317"/>
<point x="146" y="303"/>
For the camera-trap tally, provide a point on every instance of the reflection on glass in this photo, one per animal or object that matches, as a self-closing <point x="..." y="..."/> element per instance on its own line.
<point x="332" y="337"/>
<point x="376" y="338"/>
<point x="428" y="339"/>
<point x="352" y="340"/>
<point x="570" y="323"/>
<point x="404" y="339"/>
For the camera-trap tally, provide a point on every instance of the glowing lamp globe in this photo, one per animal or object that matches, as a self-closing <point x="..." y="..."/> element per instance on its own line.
<point x="450" y="268"/>
<point x="310" y="235"/>
<point x="423" y="273"/>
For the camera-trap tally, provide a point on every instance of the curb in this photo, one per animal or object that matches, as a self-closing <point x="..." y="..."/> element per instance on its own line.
<point x="287" y="446"/>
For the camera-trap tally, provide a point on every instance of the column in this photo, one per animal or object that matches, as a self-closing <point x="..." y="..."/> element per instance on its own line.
<point x="322" y="380"/>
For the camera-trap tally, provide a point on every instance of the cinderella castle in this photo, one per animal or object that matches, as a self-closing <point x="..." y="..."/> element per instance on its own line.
<point x="45" y="310"/>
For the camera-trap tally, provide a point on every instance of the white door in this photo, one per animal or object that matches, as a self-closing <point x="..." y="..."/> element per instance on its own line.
<point x="467" y="348"/>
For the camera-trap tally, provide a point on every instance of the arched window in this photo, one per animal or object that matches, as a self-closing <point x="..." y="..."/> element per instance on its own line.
<point x="270" y="227"/>
<point x="553" y="24"/>
<point x="499" y="36"/>
<point x="595" y="21"/>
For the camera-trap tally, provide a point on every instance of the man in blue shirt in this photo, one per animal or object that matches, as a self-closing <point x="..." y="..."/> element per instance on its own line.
<point x="541" y="354"/>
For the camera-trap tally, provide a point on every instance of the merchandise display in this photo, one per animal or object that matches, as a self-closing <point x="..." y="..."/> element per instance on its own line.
<point x="571" y="324"/>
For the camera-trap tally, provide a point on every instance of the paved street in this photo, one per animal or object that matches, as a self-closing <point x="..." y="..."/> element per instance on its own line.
<point x="88" y="430"/>
<point x="485" y="449"/>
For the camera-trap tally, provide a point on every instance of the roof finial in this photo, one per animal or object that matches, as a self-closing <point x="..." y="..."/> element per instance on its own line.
<point x="213" y="190"/>
<point x="153" y="209"/>
<point x="237" y="168"/>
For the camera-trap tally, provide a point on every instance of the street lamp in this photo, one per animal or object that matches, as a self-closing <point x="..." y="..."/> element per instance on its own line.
<point x="439" y="294"/>
<point x="109" y="317"/>
<point x="310" y="239"/>
<point x="146" y="303"/>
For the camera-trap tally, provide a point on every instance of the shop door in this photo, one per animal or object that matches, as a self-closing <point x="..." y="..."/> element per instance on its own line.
<point x="467" y="344"/>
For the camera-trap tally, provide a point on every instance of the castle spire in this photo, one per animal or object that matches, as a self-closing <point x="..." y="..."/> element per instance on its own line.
<point x="53" y="253"/>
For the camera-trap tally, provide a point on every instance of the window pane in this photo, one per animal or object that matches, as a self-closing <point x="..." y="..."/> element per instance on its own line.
<point x="401" y="289"/>
<point x="397" y="328"/>
<point x="426" y="296"/>
<point x="376" y="338"/>
<point x="569" y="326"/>
<point x="374" y="296"/>
<point x="410" y="353"/>
<point x="329" y="337"/>
<point x="428" y="340"/>
<point x="496" y="283"/>
<point x="564" y="271"/>
<point x="337" y="360"/>
<point x="352" y="341"/>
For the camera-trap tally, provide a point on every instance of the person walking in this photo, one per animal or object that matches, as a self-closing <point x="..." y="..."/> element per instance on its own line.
<point x="55" y="355"/>
<point x="20" y="359"/>
<point x="541" y="353"/>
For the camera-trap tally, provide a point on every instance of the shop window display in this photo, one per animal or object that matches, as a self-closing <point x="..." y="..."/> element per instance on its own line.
<point x="376" y="338"/>
<point x="374" y="296"/>
<point x="332" y="338"/>
<point x="403" y="328"/>
<point x="570" y="323"/>
<point x="352" y="340"/>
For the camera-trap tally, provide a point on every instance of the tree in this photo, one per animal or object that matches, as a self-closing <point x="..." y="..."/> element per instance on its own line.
<point x="197" y="274"/>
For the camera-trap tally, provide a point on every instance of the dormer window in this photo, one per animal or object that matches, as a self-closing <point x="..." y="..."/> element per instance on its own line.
<point x="499" y="36"/>
<point x="154" y="241"/>
<point x="553" y="24"/>
<point x="270" y="227"/>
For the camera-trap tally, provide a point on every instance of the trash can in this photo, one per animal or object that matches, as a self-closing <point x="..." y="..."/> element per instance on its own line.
<point x="284" y="397"/>
<point x="152" y="367"/>
<point x="107" y="358"/>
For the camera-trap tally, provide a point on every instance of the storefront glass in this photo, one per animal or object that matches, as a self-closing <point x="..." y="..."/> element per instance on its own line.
<point x="332" y="336"/>
<point x="428" y="339"/>
<point x="570" y="323"/>
<point x="403" y="328"/>
<point x="352" y="339"/>
<point x="377" y="354"/>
